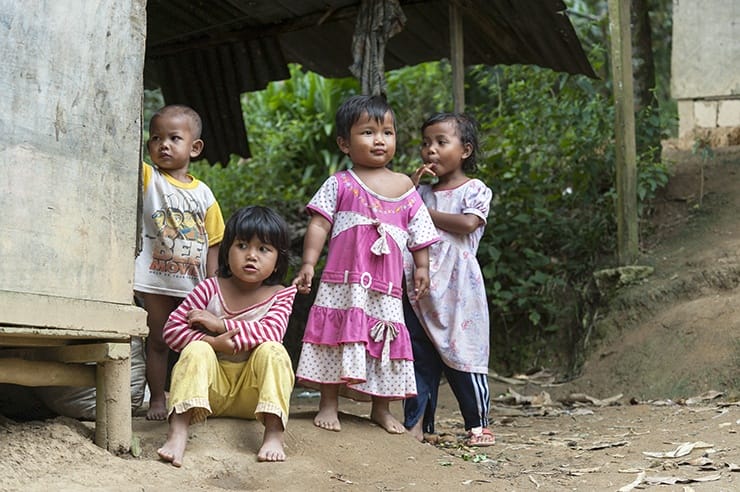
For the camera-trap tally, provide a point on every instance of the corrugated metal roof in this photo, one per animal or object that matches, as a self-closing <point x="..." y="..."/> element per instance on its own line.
<point x="206" y="53"/>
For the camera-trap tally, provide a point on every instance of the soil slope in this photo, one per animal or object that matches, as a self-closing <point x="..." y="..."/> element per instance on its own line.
<point x="676" y="333"/>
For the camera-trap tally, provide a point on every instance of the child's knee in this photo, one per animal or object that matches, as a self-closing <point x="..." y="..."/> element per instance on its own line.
<point x="272" y="350"/>
<point x="272" y="354"/>
<point x="197" y="348"/>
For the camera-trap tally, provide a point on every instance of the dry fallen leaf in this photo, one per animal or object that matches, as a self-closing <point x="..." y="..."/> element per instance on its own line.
<point x="536" y="484"/>
<point x="637" y="481"/>
<point x="340" y="477"/>
<point x="681" y="450"/>
<point x="707" y="396"/>
<point x="675" y="480"/>
<point x="574" y="398"/>
<point x="700" y="461"/>
<point x="514" y="398"/>
<point x="579" y="471"/>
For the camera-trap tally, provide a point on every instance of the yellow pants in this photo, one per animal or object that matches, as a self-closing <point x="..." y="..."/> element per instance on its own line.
<point x="209" y="386"/>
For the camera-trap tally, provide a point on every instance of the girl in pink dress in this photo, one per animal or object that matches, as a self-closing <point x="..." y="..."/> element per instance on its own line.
<point x="450" y="328"/>
<point x="355" y="342"/>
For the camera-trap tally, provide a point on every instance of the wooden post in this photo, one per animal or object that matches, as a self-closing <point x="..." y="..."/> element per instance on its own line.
<point x="113" y="406"/>
<point x="626" y="155"/>
<point x="456" y="57"/>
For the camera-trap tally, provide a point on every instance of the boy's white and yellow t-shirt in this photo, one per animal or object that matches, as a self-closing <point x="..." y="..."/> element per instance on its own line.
<point x="179" y="222"/>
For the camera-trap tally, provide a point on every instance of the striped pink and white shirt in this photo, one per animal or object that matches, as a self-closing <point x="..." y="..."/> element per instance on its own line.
<point x="262" y="322"/>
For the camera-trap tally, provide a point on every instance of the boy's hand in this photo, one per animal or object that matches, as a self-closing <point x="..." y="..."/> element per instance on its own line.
<point x="303" y="280"/>
<point x="421" y="171"/>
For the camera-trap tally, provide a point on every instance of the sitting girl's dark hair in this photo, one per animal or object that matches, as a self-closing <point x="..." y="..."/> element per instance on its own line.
<point x="268" y="226"/>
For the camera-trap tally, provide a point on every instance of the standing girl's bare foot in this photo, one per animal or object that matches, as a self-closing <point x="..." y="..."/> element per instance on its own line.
<point x="272" y="442"/>
<point x="381" y="415"/>
<point x="328" y="416"/>
<point x="416" y="431"/>
<point x="173" y="450"/>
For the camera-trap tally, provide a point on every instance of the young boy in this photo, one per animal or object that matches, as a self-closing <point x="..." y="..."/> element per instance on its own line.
<point x="181" y="228"/>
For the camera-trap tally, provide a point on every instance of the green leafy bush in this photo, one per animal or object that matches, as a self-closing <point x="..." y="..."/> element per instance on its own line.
<point x="550" y="161"/>
<point x="292" y="139"/>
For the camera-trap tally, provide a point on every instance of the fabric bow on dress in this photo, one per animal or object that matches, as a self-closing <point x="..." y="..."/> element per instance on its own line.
<point x="386" y="332"/>
<point x="380" y="246"/>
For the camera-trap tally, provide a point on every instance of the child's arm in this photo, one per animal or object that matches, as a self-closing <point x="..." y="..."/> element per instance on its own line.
<point x="455" y="223"/>
<point x="270" y="327"/>
<point x="474" y="209"/>
<point x="215" y="227"/>
<point x="214" y="330"/>
<point x="212" y="260"/>
<point x="316" y="234"/>
<point x="421" y="272"/>
<point x="179" y="330"/>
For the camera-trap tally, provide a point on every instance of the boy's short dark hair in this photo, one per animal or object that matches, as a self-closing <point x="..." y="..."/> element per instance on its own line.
<point x="196" y="124"/>
<point x="267" y="225"/>
<point x="466" y="129"/>
<point x="353" y="108"/>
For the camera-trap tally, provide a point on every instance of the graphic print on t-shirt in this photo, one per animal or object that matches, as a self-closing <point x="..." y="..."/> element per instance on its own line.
<point x="181" y="237"/>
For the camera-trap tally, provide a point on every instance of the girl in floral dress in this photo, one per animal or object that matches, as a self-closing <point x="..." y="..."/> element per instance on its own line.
<point x="355" y="342"/>
<point x="450" y="328"/>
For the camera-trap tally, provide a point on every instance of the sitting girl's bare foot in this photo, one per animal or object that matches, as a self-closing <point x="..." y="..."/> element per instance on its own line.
<point x="272" y="442"/>
<point x="173" y="450"/>
<point x="157" y="409"/>
<point x="327" y="419"/>
<point x="271" y="451"/>
<point x="386" y="420"/>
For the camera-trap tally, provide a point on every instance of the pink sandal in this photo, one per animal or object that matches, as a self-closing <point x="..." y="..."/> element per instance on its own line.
<point x="482" y="439"/>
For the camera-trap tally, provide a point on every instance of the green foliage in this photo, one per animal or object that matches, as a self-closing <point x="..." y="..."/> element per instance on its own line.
<point x="415" y="93"/>
<point x="292" y="135"/>
<point x="550" y="160"/>
<point x="290" y="125"/>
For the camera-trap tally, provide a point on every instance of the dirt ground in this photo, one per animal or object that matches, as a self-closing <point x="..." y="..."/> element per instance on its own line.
<point x="657" y="406"/>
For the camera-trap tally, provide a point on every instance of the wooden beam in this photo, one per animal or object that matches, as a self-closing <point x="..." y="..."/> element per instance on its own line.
<point x="44" y="311"/>
<point x="626" y="154"/>
<point x="457" y="50"/>
<point x="33" y="336"/>
<point x="71" y="354"/>
<point x="41" y="373"/>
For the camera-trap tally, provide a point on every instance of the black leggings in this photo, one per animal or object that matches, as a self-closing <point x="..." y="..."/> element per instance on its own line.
<point x="470" y="389"/>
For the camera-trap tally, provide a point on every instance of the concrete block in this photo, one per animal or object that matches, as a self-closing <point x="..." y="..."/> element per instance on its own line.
<point x="729" y="113"/>
<point x="686" y="121"/>
<point x="705" y="113"/>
